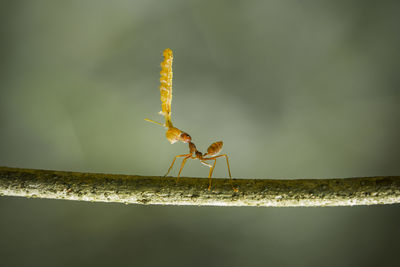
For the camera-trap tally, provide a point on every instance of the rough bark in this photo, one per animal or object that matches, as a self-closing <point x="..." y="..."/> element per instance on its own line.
<point x="193" y="191"/>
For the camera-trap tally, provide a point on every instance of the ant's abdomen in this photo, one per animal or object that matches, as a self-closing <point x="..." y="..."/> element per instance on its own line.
<point x="214" y="148"/>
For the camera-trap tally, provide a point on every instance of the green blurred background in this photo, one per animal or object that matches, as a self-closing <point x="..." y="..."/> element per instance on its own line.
<point x="295" y="89"/>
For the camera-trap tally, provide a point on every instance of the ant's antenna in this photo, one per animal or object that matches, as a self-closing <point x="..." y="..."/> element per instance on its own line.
<point x="156" y="122"/>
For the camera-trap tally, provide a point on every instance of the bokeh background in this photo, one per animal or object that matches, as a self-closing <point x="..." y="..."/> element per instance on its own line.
<point x="295" y="89"/>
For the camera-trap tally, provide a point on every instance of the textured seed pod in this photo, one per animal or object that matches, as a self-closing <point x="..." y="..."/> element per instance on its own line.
<point x="173" y="134"/>
<point x="166" y="86"/>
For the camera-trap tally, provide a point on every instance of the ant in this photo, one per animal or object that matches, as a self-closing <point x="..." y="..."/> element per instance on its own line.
<point x="173" y="134"/>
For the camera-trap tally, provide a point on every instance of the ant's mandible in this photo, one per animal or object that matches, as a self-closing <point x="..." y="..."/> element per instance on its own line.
<point x="173" y="134"/>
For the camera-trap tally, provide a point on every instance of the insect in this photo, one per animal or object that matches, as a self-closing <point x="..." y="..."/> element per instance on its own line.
<point x="174" y="135"/>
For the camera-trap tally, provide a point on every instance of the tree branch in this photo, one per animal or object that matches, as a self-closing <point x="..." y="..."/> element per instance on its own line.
<point x="193" y="191"/>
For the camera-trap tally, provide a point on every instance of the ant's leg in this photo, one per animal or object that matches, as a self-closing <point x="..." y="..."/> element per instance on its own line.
<point x="206" y="164"/>
<point x="211" y="171"/>
<point x="229" y="169"/>
<point x="183" y="164"/>
<point x="172" y="164"/>
<point x="227" y="163"/>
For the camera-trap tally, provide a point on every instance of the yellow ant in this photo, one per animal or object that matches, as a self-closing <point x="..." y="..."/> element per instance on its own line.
<point x="173" y="134"/>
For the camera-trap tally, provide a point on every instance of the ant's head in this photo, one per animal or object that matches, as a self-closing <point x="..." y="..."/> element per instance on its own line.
<point x="185" y="138"/>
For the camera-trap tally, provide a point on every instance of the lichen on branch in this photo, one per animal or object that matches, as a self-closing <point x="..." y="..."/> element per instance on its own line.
<point x="193" y="191"/>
